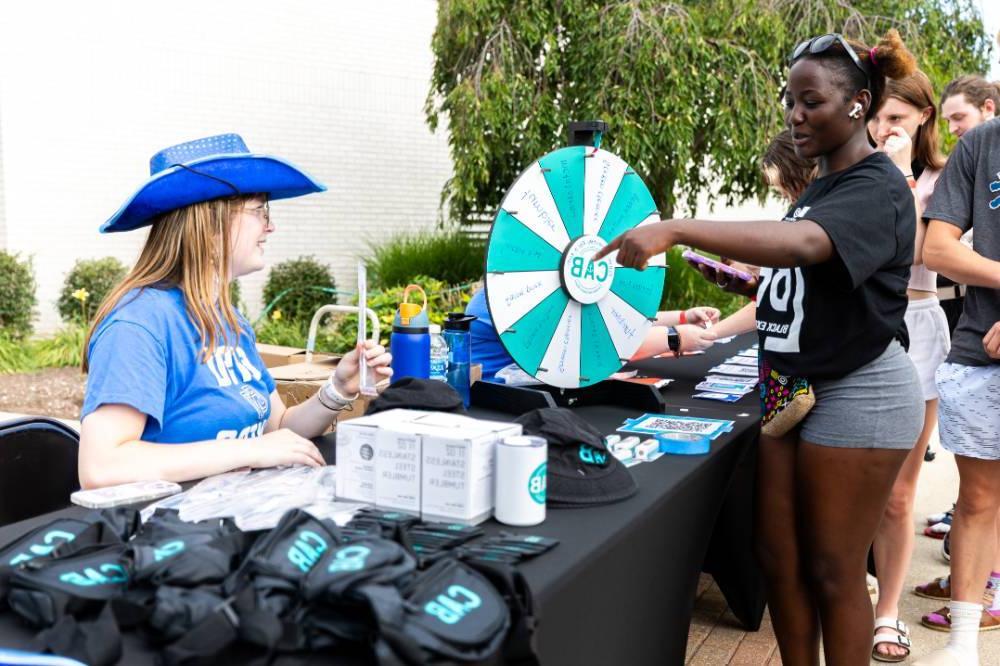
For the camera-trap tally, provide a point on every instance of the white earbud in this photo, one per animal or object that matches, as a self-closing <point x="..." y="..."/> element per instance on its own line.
<point x="855" y="110"/>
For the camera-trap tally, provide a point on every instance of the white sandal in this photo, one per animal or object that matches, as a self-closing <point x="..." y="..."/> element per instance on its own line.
<point x="901" y="639"/>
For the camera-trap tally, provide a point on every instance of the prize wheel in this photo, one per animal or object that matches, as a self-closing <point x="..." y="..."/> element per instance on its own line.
<point x="566" y="320"/>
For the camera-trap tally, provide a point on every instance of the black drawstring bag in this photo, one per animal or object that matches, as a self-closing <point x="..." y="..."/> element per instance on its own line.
<point x="519" y="646"/>
<point x="172" y="552"/>
<point x="266" y="588"/>
<point x="63" y="537"/>
<point x="43" y="590"/>
<point x="450" y="612"/>
<point x="335" y="610"/>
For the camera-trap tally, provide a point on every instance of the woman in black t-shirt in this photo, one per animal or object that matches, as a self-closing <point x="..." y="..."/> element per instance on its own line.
<point x="830" y="305"/>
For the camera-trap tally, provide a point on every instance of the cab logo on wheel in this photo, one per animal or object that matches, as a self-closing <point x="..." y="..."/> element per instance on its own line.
<point x="587" y="281"/>
<point x="537" y="482"/>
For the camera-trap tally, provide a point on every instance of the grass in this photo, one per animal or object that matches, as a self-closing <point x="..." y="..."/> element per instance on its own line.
<point x="63" y="349"/>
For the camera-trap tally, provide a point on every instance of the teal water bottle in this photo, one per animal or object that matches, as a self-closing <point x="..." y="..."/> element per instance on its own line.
<point x="410" y="342"/>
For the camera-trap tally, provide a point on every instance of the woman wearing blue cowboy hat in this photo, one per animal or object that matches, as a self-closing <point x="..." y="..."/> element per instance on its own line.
<point x="171" y="361"/>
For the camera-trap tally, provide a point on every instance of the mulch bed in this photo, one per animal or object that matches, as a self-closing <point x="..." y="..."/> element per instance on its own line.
<point x="54" y="392"/>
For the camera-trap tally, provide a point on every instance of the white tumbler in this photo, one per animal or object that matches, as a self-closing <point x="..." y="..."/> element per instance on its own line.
<point x="522" y="476"/>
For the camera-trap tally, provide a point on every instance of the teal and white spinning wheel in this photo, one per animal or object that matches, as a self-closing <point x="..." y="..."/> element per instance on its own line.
<point x="566" y="320"/>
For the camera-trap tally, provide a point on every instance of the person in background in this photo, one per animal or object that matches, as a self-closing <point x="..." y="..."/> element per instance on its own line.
<point x="692" y="326"/>
<point x="788" y="175"/>
<point x="966" y="102"/>
<point x="967" y="197"/>
<point x="176" y="388"/>
<point x="830" y="308"/>
<point x="905" y="129"/>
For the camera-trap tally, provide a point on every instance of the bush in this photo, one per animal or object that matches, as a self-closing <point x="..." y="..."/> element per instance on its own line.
<point x="452" y="257"/>
<point x="64" y="349"/>
<point x="441" y="299"/>
<point x="686" y="288"/>
<point x="15" y="356"/>
<point x="235" y="295"/>
<point x="303" y="285"/>
<point x="97" y="277"/>
<point x="17" y="296"/>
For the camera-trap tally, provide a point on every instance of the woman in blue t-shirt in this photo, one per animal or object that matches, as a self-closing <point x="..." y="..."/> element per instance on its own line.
<point x="170" y="359"/>
<point x="830" y="306"/>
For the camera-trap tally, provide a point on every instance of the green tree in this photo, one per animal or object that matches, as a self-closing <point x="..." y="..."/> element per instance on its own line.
<point x="689" y="89"/>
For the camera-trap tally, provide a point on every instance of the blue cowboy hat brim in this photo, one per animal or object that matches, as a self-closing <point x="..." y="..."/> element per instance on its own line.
<point x="178" y="186"/>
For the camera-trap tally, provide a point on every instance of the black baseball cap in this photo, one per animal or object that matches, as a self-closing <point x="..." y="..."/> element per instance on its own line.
<point x="581" y="470"/>
<point x="412" y="393"/>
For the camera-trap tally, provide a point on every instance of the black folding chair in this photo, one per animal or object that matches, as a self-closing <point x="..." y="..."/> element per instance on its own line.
<point x="38" y="467"/>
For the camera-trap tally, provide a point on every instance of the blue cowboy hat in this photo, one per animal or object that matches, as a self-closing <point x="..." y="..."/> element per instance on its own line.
<point x="205" y="169"/>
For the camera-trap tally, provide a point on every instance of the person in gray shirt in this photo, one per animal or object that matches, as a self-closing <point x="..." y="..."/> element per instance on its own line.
<point x="967" y="196"/>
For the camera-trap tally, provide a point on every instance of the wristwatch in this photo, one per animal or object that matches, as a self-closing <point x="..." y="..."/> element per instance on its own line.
<point x="673" y="340"/>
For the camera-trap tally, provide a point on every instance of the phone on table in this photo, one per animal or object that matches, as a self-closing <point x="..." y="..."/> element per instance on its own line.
<point x="693" y="257"/>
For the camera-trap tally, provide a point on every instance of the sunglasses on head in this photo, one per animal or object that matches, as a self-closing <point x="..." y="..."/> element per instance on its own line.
<point x="818" y="45"/>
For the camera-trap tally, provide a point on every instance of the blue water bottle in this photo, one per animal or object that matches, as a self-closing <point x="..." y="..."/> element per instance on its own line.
<point x="410" y="343"/>
<point x="456" y="334"/>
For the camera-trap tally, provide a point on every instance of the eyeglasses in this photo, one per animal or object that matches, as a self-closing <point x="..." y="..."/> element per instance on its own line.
<point x="260" y="212"/>
<point x="819" y="44"/>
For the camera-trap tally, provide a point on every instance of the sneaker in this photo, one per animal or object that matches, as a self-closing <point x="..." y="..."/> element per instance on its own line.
<point x="939" y="517"/>
<point x="946" y="548"/>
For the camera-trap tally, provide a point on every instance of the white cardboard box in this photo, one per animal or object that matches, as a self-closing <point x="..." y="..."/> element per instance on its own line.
<point x="458" y="456"/>
<point x="397" y="468"/>
<point x="356" y="446"/>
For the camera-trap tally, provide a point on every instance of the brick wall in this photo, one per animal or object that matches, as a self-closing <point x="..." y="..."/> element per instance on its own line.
<point x="336" y="87"/>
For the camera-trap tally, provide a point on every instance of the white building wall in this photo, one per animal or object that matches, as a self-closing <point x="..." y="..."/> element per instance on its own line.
<point x="89" y="91"/>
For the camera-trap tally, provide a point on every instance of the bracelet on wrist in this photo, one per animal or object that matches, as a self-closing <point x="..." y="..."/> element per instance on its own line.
<point x="332" y="399"/>
<point x="683" y="319"/>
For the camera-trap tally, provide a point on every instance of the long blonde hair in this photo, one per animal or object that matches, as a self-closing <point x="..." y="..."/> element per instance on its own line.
<point x="188" y="248"/>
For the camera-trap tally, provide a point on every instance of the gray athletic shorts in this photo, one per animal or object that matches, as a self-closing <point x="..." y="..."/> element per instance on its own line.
<point x="878" y="406"/>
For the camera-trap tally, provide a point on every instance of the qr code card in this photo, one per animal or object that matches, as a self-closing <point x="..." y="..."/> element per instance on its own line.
<point x="656" y="423"/>
<point x="724" y="387"/>
<point x="721" y="397"/>
<point x="728" y="379"/>
<point x="737" y="370"/>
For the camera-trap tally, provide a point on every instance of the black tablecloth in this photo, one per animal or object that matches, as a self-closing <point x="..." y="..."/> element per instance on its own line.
<point x="620" y="587"/>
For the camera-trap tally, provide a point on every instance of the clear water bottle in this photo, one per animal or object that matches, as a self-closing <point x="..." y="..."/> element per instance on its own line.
<point x="439" y="354"/>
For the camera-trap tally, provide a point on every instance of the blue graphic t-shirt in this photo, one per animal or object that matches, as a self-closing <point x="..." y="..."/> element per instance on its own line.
<point x="147" y="354"/>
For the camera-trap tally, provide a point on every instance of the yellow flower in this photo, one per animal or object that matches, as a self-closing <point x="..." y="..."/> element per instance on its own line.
<point x="276" y="315"/>
<point x="81" y="295"/>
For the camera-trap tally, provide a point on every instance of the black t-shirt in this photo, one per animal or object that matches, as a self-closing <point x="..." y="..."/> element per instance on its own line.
<point x="826" y="320"/>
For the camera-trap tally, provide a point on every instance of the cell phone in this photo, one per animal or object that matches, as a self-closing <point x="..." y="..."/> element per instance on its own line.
<point x="126" y="493"/>
<point x="695" y="258"/>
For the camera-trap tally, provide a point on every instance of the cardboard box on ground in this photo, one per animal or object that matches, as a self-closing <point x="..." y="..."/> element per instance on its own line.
<point x="297" y="380"/>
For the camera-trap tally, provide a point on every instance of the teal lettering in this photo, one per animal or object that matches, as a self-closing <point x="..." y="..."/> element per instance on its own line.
<point x="42" y="549"/>
<point x="109" y="574"/>
<point x="454" y="604"/>
<point x="306" y="550"/>
<point x="589" y="274"/>
<point x="350" y="558"/>
<point x="602" y="269"/>
<point x="576" y="270"/>
<point x="168" y="549"/>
